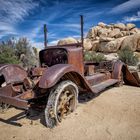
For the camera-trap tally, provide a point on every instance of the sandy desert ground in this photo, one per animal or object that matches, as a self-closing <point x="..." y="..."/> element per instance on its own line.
<point x="114" y="115"/>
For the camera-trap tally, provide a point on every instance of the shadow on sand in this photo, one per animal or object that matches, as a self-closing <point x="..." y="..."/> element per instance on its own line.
<point x="34" y="114"/>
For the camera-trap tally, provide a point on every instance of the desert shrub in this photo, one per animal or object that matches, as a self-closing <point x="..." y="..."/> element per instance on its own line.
<point x="18" y="52"/>
<point x="87" y="56"/>
<point x="7" y="55"/>
<point x="127" y="56"/>
<point x="93" y="56"/>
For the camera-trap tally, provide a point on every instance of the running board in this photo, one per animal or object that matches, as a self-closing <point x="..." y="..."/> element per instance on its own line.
<point x="98" y="78"/>
<point x="103" y="85"/>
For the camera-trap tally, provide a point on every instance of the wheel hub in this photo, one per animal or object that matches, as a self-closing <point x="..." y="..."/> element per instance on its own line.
<point x="64" y="104"/>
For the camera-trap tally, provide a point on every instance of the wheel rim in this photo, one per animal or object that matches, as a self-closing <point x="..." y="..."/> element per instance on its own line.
<point x="66" y="103"/>
<point x="61" y="102"/>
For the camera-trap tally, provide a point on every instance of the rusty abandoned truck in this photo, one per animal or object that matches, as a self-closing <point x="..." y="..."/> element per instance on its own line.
<point x="55" y="85"/>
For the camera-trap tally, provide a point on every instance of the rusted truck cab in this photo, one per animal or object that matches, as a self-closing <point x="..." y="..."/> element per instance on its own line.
<point x="72" y="55"/>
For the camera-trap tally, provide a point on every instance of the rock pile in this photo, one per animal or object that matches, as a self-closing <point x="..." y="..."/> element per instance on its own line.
<point x="109" y="38"/>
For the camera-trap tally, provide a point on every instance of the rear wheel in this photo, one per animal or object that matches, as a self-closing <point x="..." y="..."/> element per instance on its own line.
<point x="61" y="102"/>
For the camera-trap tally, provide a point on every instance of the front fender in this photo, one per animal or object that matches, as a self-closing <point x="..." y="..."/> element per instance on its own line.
<point x="53" y="74"/>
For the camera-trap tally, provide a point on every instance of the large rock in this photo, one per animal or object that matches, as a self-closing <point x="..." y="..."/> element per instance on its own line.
<point x="109" y="26"/>
<point x="101" y="24"/>
<point x="111" y="56"/>
<point x="120" y="26"/>
<point x="112" y="46"/>
<point x="133" y="42"/>
<point x="102" y="46"/>
<point x="105" y="39"/>
<point x="115" y="33"/>
<point x="87" y="44"/>
<point x="93" y="32"/>
<point x="125" y="33"/>
<point x="128" y="42"/>
<point x="68" y="40"/>
<point x="103" y="32"/>
<point x="109" y="47"/>
<point x="131" y="32"/>
<point x="130" y="26"/>
<point x="95" y="45"/>
<point x="138" y="55"/>
<point x="137" y="40"/>
<point x="97" y="38"/>
<point x="119" y="42"/>
<point x="135" y="30"/>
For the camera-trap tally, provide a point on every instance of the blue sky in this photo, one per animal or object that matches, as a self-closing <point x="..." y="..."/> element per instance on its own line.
<point x="25" y="18"/>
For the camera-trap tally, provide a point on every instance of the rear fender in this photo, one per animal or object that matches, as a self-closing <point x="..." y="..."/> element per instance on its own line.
<point x="121" y="71"/>
<point x="130" y="78"/>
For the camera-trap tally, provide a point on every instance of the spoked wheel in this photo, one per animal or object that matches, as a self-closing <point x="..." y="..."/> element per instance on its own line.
<point x="61" y="102"/>
<point x="4" y="107"/>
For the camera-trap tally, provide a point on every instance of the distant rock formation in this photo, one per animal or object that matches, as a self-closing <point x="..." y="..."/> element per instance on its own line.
<point x="113" y="37"/>
<point x="68" y="40"/>
<point x="109" y="38"/>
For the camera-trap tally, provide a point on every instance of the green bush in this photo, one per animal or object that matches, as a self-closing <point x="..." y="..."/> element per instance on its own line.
<point x="7" y="55"/>
<point x="127" y="56"/>
<point x="18" y="52"/>
<point x="93" y="56"/>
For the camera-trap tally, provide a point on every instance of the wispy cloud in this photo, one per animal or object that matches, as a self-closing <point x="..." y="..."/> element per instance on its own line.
<point x="133" y="18"/>
<point x="6" y="29"/>
<point x="70" y="25"/>
<point x="15" y="10"/>
<point x="127" y="6"/>
<point x="11" y="12"/>
<point x="67" y="26"/>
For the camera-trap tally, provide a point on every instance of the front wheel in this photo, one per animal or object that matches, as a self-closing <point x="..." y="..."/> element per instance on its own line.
<point x="62" y="101"/>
